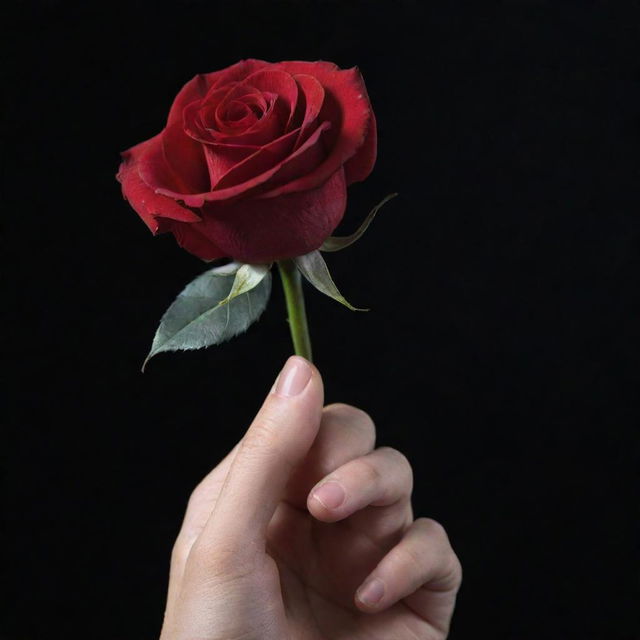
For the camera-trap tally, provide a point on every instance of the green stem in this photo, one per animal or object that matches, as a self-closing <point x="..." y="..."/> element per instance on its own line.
<point x="292" y="285"/>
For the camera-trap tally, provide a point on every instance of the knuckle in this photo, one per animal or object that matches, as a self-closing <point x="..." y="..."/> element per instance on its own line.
<point x="451" y="575"/>
<point x="402" y="463"/>
<point x="409" y="555"/>
<point x="352" y="416"/>
<point x="433" y="529"/>
<point x="456" y="570"/>
<point x="370" y="474"/>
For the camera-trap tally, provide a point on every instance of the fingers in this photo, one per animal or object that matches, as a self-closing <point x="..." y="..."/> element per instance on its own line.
<point x="277" y="440"/>
<point x="422" y="569"/>
<point x="345" y="433"/>
<point x="380" y="478"/>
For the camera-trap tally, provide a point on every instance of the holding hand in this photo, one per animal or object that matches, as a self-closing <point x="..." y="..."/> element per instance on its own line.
<point x="306" y="531"/>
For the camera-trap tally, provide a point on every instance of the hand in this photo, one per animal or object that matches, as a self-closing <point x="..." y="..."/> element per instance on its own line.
<point x="269" y="550"/>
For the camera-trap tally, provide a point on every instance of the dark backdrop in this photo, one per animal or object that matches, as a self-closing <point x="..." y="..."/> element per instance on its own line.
<point x="500" y="355"/>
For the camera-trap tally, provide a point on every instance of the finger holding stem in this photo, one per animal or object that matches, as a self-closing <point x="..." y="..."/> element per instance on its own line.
<point x="292" y="285"/>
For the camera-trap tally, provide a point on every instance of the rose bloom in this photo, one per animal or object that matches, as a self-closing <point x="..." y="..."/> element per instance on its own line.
<point x="254" y="161"/>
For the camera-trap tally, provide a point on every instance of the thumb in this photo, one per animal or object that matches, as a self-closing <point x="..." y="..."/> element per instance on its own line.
<point x="278" y="440"/>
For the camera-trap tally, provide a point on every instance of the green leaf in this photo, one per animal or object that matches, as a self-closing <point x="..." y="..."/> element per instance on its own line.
<point x="229" y="269"/>
<point x="336" y="243"/>
<point x="216" y="306"/>
<point x="313" y="267"/>
<point x="247" y="277"/>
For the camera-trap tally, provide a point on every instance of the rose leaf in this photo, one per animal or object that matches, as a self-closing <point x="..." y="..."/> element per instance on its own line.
<point x="336" y="243"/>
<point x="313" y="267"/>
<point x="217" y="305"/>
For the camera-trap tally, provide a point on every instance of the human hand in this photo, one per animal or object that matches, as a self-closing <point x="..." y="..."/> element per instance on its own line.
<point x="259" y="556"/>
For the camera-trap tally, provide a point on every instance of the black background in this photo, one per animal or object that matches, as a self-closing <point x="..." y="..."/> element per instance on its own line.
<point x="501" y="353"/>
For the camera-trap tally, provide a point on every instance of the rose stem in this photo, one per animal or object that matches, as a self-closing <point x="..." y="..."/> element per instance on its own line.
<point x="292" y="285"/>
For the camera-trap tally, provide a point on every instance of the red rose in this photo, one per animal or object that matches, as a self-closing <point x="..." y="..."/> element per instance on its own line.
<point x="254" y="161"/>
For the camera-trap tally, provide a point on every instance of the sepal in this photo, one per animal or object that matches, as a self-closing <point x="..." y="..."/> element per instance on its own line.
<point x="313" y="267"/>
<point x="337" y="243"/>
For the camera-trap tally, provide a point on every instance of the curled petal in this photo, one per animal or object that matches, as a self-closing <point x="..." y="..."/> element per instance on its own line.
<point x="150" y="206"/>
<point x="262" y="131"/>
<point x="254" y="172"/>
<point x="194" y="115"/>
<point x="197" y="87"/>
<point x="185" y="159"/>
<point x="194" y="90"/>
<point x="302" y="161"/>
<point x="221" y="158"/>
<point x="241" y="94"/>
<point x="243" y="177"/>
<point x="158" y="174"/>
<point x="266" y="162"/>
<point x="312" y="98"/>
<point x="238" y="116"/>
<point x="237" y="72"/>
<point x="347" y="106"/>
<point x="280" y="83"/>
<point x="358" y="167"/>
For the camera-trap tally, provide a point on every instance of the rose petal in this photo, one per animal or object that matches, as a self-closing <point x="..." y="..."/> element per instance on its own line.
<point x="346" y="106"/>
<point x="147" y="204"/>
<point x="194" y="90"/>
<point x="301" y="162"/>
<point x="193" y="113"/>
<point x="361" y="164"/>
<point x="268" y="128"/>
<point x="191" y="238"/>
<point x="223" y="157"/>
<point x="248" y="174"/>
<point x="185" y="159"/>
<point x="204" y="119"/>
<point x="293" y="165"/>
<point x="312" y="98"/>
<point x="259" y="231"/>
<point x="252" y="171"/>
<point x="238" y="116"/>
<point x="237" y="72"/>
<point x="198" y="86"/>
<point x="280" y="83"/>
<point x="156" y="172"/>
<point x="239" y="92"/>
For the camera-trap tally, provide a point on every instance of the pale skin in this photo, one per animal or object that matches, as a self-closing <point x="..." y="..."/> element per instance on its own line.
<point x="263" y="555"/>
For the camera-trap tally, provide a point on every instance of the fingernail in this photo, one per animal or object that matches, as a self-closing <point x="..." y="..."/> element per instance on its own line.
<point x="371" y="592"/>
<point x="293" y="378"/>
<point x="330" y="495"/>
